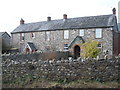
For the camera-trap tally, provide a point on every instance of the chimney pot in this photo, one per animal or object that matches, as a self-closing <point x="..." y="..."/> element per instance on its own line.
<point x="65" y="16"/>
<point x="114" y="11"/>
<point x="48" y="18"/>
<point x="22" y="21"/>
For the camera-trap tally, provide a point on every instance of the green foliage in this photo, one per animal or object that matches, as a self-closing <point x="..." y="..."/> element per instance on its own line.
<point x="22" y="81"/>
<point x="89" y="49"/>
<point x="63" y="81"/>
<point x="25" y="82"/>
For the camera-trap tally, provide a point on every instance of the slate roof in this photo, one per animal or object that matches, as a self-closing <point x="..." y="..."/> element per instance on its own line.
<point x="78" y="38"/>
<point x="70" y="23"/>
<point x="32" y="46"/>
<point x="1" y="33"/>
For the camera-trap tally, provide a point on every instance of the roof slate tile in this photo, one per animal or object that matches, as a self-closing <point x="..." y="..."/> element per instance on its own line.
<point x="70" y="23"/>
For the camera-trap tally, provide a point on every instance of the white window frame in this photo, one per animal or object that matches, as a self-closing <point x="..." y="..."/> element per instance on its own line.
<point x="98" y="45"/>
<point x="22" y="36"/>
<point x="65" y="47"/>
<point x="47" y="36"/>
<point x="98" y="33"/>
<point x="66" y="34"/>
<point x="82" y="32"/>
<point x="33" y="35"/>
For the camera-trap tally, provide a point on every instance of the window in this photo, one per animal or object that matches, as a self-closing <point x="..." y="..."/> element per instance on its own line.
<point x="81" y="33"/>
<point x="47" y="36"/>
<point x="47" y="48"/>
<point x="22" y="36"/>
<point x="33" y="35"/>
<point x="66" y="34"/>
<point x="65" y="47"/>
<point x="98" y="33"/>
<point x="99" y="45"/>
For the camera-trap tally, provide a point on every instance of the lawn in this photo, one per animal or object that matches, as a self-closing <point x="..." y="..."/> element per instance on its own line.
<point x="29" y="82"/>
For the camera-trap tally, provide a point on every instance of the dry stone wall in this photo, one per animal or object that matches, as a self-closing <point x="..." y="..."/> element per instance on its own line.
<point x="61" y="69"/>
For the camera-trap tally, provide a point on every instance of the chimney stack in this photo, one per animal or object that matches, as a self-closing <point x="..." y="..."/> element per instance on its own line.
<point x="48" y="18"/>
<point x="114" y="11"/>
<point x="65" y="16"/>
<point x="21" y="21"/>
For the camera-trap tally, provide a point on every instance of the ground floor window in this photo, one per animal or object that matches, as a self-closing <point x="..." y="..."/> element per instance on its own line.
<point x="99" y="45"/>
<point x="47" y="48"/>
<point x="65" y="47"/>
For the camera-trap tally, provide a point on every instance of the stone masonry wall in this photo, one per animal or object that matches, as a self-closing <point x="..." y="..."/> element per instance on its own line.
<point x="57" y="41"/>
<point x="72" y="69"/>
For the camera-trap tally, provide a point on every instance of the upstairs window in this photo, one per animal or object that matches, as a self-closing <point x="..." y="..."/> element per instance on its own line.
<point x="66" y="34"/>
<point x="47" y="37"/>
<point x="22" y="36"/>
<point x="65" y="47"/>
<point x="81" y="33"/>
<point x="33" y="35"/>
<point x="98" y="33"/>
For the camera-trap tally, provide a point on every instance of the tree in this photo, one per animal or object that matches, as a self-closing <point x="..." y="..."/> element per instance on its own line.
<point x="89" y="49"/>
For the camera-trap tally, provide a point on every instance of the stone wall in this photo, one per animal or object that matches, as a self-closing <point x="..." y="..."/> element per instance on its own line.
<point x="72" y="69"/>
<point x="57" y="40"/>
<point x="39" y="55"/>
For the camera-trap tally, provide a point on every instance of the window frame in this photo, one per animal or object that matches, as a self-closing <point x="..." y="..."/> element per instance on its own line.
<point x="47" y="48"/>
<point x="22" y="36"/>
<point x="33" y="35"/>
<point x="64" y="34"/>
<point x="47" y="35"/>
<point x="65" y="47"/>
<point x="82" y="32"/>
<point x="100" y="45"/>
<point x="97" y="33"/>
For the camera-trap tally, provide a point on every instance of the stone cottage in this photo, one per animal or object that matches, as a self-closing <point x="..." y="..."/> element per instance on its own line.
<point x="67" y="34"/>
<point x="5" y="40"/>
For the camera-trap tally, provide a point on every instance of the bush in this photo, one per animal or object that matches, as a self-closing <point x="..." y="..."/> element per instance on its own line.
<point x="89" y="49"/>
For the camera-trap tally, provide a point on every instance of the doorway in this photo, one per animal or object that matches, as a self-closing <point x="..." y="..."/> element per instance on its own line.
<point x="76" y="51"/>
<point x="27" y="50"/>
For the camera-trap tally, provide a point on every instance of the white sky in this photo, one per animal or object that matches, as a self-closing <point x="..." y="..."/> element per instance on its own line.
<point x="11" y="11"/>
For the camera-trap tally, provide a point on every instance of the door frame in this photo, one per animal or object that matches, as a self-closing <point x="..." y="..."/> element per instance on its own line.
<point x="75" y="52"/>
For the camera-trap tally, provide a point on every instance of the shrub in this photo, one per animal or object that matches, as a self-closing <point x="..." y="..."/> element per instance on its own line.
<point x="89" y="49"/>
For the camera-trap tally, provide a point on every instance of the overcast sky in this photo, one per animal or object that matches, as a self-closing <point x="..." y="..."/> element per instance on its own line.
<point x="11" y="11"/>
